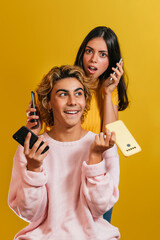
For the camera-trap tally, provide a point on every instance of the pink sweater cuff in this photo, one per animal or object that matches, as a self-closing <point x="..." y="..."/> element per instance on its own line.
<point x="94" y="169"/>
<point x="36" y="179"/>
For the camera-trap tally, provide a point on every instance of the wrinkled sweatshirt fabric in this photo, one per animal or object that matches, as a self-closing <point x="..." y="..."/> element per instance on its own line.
<point x="67" y="199"/>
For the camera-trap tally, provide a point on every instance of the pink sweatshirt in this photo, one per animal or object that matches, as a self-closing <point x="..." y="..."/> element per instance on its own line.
<point x="67" y="199"/>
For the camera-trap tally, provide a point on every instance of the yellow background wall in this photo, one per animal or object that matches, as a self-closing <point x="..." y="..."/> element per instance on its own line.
<point x="38" y="34"/>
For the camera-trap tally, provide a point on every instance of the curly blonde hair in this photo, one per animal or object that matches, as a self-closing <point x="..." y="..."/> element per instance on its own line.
<point x="45" y="87"/>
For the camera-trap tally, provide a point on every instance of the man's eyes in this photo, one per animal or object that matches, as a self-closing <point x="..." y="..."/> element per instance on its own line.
<point x="78" y="93"/>
<point x="63" y="94"/>
<point x="66" y="94"/>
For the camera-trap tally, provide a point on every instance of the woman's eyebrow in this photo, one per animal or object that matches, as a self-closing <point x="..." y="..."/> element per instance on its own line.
<point x="89" y="47"/>
<point x="103" y="51"/>
<point x="98" y="51"/>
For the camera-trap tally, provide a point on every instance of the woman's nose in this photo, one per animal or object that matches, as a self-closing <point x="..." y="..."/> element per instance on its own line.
<point x="94" y="57"/>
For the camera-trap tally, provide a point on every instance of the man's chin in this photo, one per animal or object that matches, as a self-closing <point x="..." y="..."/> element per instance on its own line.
<point x="72" y="124"/>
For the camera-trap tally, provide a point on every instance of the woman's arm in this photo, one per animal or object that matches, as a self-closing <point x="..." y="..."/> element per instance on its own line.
<point x="110" y="111"/>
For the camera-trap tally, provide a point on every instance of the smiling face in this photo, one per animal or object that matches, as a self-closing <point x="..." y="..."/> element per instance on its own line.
<point x="95" y="58"/>
<point x="67" y="102"/>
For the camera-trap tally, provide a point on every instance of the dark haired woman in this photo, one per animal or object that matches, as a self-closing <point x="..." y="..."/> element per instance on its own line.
<point x="98" y="56"/>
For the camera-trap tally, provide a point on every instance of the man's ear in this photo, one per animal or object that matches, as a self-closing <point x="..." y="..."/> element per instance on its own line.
<point x="49" y="105"/>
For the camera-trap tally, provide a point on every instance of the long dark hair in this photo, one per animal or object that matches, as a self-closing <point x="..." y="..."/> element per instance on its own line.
<point x="114" y="55"/>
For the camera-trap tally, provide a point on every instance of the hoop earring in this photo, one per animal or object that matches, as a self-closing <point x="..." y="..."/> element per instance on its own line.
<point x="50" y="110"/>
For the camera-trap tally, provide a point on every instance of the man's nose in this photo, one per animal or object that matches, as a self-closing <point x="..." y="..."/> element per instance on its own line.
<point x="71" y="100"/>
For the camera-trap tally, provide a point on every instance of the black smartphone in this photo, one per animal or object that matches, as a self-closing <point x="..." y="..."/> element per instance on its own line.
<point x="21" y="134"/>
<point x="111" y="79"/>
<point x="33" y="105"/>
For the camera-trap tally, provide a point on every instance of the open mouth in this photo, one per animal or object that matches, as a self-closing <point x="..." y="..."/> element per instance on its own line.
<point x="92" y="69"/>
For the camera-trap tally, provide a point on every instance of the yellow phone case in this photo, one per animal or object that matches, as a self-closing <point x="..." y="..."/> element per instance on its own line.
<point x="124" y="139"/>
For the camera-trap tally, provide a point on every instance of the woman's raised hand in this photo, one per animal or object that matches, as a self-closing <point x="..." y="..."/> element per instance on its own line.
<point x="109" y="86"/>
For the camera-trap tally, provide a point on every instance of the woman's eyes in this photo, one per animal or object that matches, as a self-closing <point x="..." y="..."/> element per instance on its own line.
<point x="103" y="54"/>
<point x="88" y="51"/>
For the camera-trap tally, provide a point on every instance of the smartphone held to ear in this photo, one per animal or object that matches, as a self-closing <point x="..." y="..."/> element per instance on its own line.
<point x="111" y="79"/>
<point x="33" y="105"/>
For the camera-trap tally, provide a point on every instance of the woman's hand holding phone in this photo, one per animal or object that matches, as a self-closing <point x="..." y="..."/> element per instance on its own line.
<point x="113" y="80"/>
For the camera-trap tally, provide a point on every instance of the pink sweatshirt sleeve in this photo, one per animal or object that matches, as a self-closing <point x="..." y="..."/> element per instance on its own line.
<point x="27" y="193"/>
<point x="100" y="183"/>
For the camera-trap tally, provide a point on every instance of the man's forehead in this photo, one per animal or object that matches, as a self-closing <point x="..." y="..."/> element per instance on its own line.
<point x="68" y="84"/>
